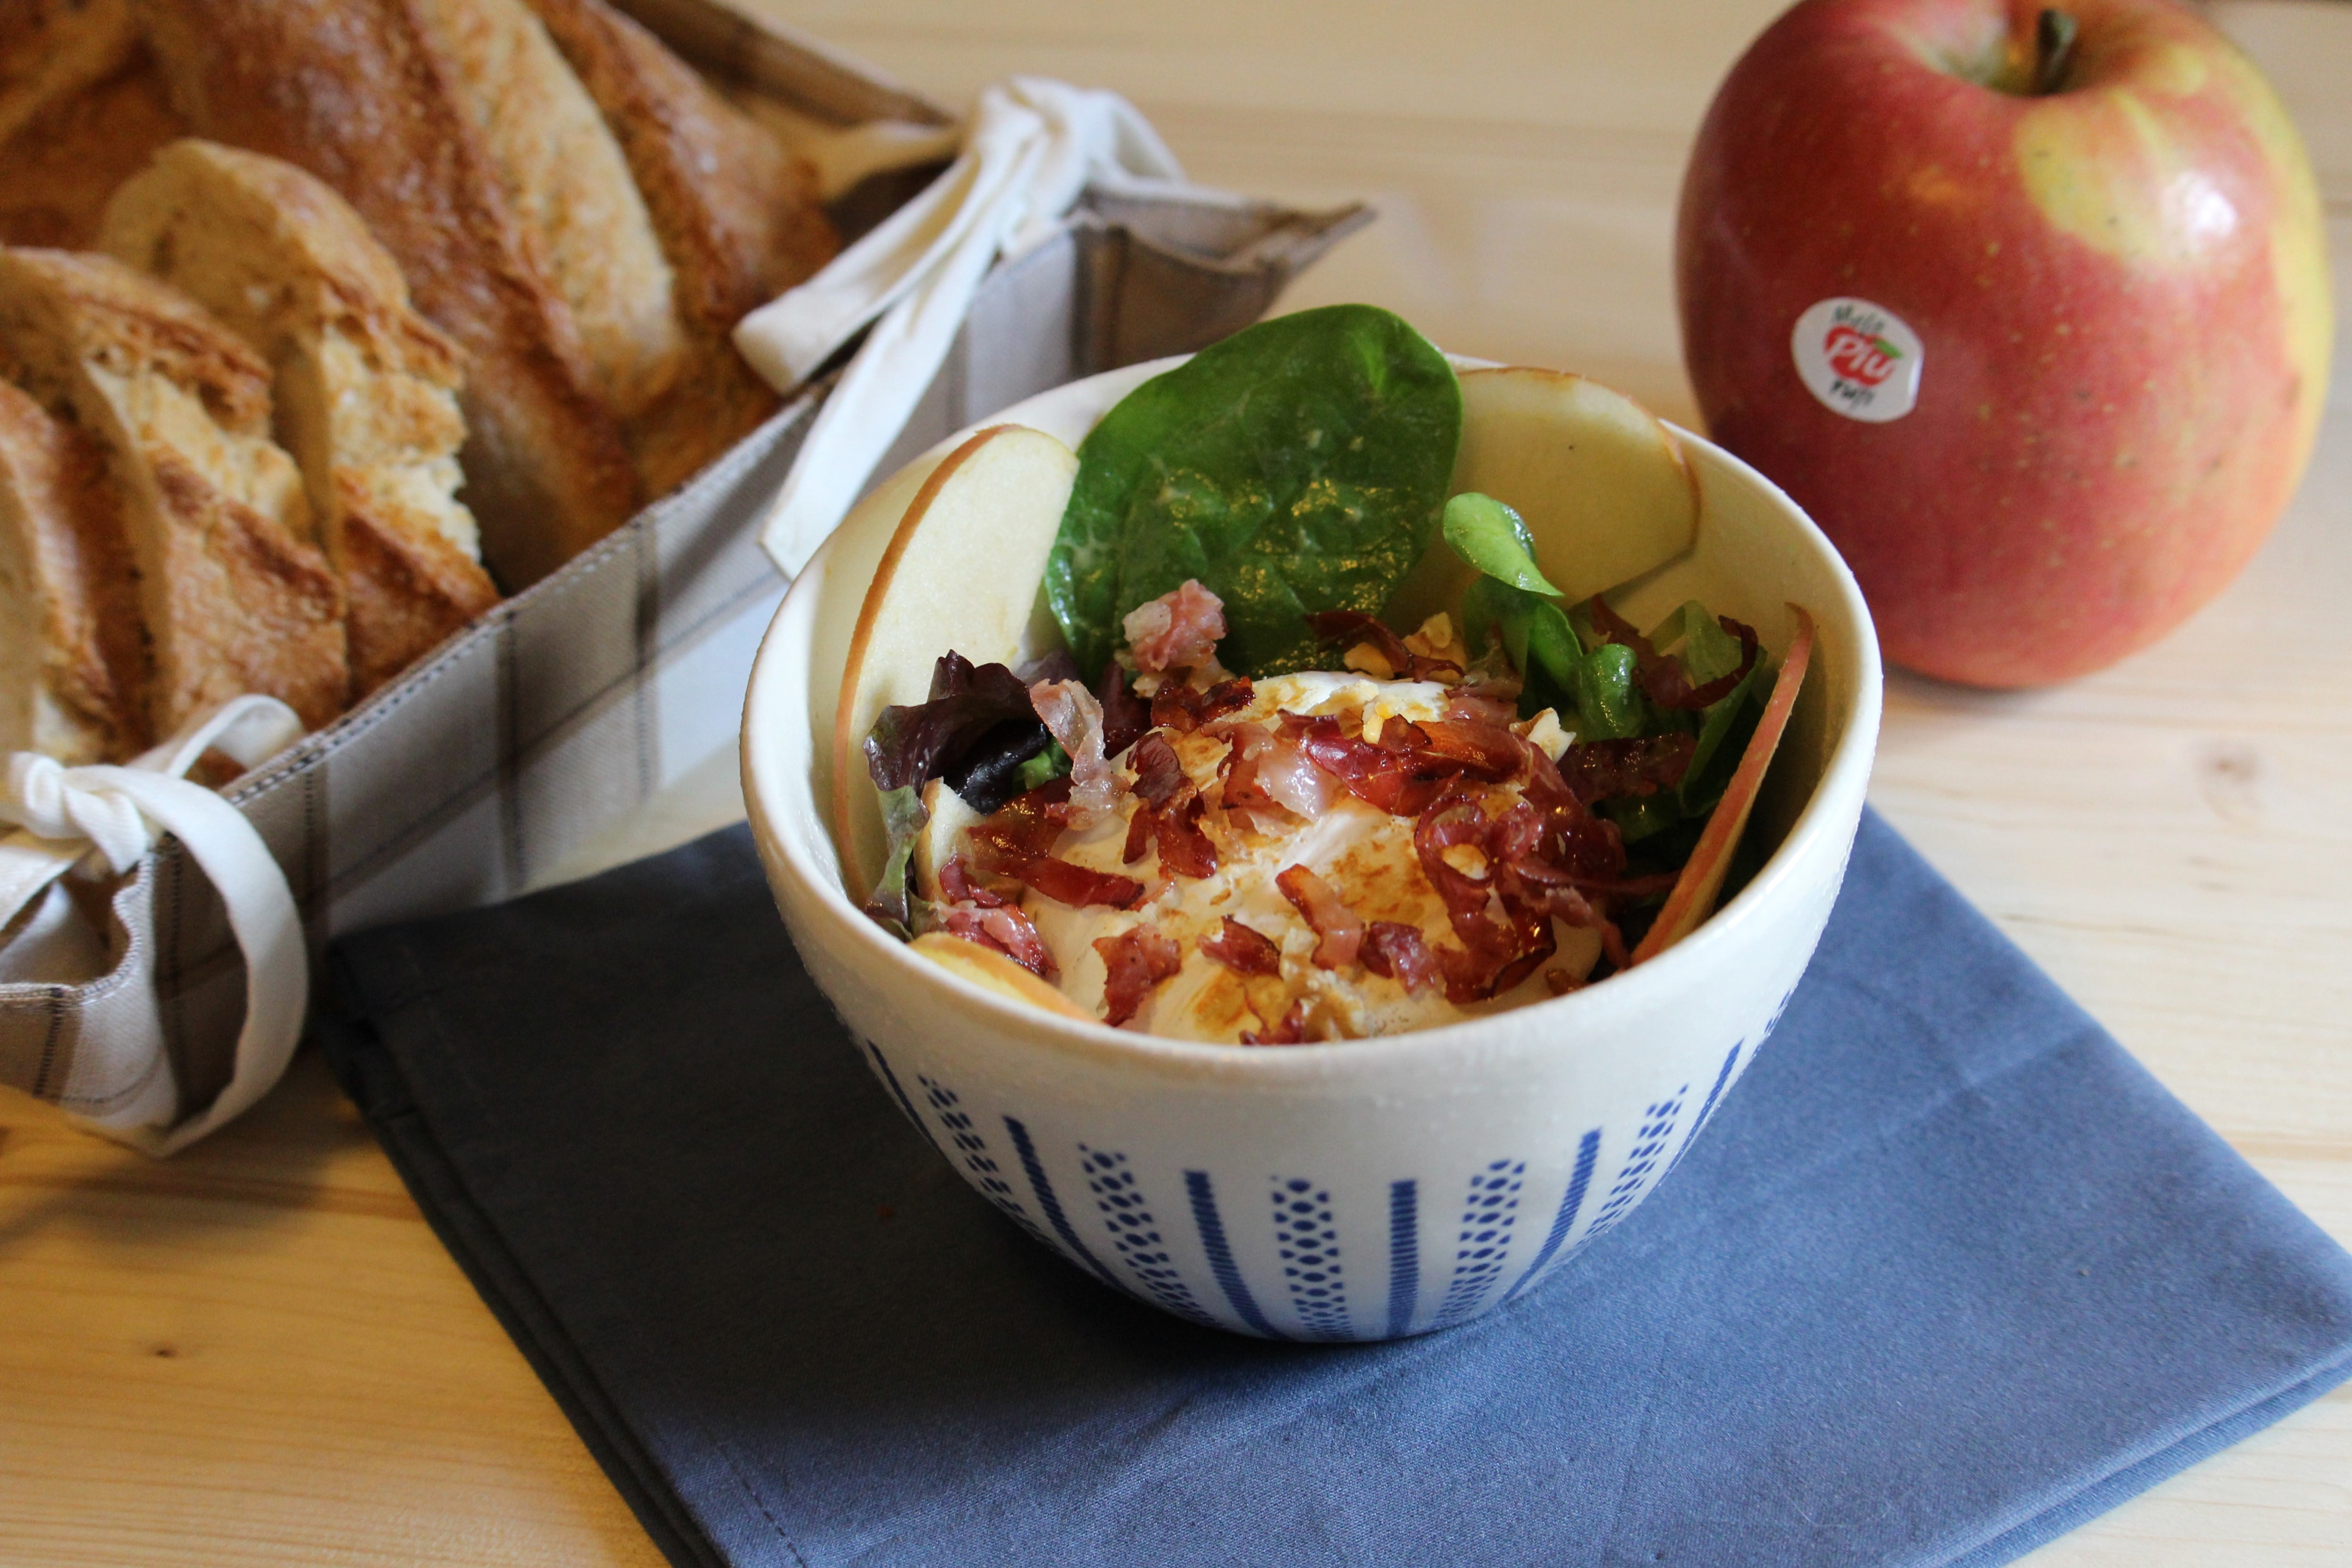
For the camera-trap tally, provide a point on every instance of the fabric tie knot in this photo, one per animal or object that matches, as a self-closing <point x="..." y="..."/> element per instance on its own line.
<point x="50" y="800"/>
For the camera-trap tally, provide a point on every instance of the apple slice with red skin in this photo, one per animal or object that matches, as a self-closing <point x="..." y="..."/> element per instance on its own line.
<point x="985" y="517"/>
<point x="992" y="971"/>
<point x="1694" y="891"/>
<point x="1600" y="481"/>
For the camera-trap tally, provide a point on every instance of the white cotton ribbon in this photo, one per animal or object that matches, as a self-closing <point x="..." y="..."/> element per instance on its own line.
<point x="1032" y="148"/>
<point x="116" y="813"/>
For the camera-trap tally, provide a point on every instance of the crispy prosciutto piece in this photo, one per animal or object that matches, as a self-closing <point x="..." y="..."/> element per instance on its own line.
<point x="1072" y="716"/>
<point x="1396" y="950"/>
<point x="1352" y="629"/>
<point x="1400" y="782"/>
<point x="1486" y="750"/>
<point x="1015" y="840"/>
<point x="1339" y="928"/>
<point x="1125" y="715"/>
<point x="1243" y="949"/>
<point x="1179" y="707"/>
<point x="1638" y="765"/>
<point x="1291" y="1031"/>
<point x="979" y="913"/>
<point x="1168" y="809"/>
<point x="1289" y="776"/>
<point x="1138" y="960"/>
<point x="1157" y="773"/>
<point x="1495" y="954"/>
<point x="1179" y="630"/>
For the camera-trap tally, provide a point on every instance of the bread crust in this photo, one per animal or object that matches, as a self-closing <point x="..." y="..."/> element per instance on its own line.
<point x="74" y="590"/>
<point x="81" y="107"/>
<point x="736" y="212"/>
<point x="365" y="388"/>
<point x="569" y="186"/>
<point x="234" y="600"/>
<point x="357" y="92"/>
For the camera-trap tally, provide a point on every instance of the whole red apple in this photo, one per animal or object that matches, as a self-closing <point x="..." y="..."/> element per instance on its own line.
<point x="2029" y="309"/>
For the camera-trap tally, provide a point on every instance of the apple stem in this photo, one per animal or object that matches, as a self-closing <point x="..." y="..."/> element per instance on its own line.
<point x="2054" y="49"/>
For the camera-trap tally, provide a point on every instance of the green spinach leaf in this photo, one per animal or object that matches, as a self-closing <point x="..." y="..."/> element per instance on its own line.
<point x="1488" y="535"/>
<point x="1299" y="466"/>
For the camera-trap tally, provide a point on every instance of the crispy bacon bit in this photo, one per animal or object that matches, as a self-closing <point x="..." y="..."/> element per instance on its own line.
<point x="1180" y="629"/>
<point x="1169" y="808"/>
<point x="1487" y="750"/>
<point x="1184" y="849"/>
<point x="1242" y="949"/>
<point x="1402" y="783"/>
<point x="1073" y="717"/>
<point x="1396" y="950"/>
<point x="1353" y="628"/>
<point x="1339" y="929"/>
<point x="1662" y="676"/>
<point x="1015" y="842"/>
<point x="1640" y="764"/>
<point x="1495" y="954"/>
<point x="979" y="913"/>
<point x="1179" y="707"/>
<point x="1158" y="772"/>
<point x="1007" y="930"/>
<point x="1291" y="1031"/>
<point x="1125" y="715"/>
<point x="1136" y="960"/>
<point x="955" y="881"/>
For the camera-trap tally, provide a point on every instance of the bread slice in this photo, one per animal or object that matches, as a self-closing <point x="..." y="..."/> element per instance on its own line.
<point x="73" y="654"/>
<point x="569" y="186"/>
<point x="736" y="213"/>
<point x="362" y="94"/>
<point x="365" y="394"/>
<point x="81" y="107"/>
<point x="235" y="600"/>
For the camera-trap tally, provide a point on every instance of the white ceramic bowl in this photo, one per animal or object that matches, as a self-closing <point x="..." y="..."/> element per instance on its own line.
<point x="1359" y="1190"/>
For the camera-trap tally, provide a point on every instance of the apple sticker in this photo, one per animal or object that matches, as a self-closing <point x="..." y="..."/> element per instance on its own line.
<point x="1859" y="359"/>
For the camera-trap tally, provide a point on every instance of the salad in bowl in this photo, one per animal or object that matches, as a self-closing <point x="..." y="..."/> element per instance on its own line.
<point x="1311" y="832"/>
<point x="1211" y="792"/>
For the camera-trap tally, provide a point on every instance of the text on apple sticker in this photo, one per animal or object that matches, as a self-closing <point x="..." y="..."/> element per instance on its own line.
<point x="1859" y="359"/>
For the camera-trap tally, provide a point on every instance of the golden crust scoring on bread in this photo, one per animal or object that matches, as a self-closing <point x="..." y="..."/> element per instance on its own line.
<point x="73" y="652"/>
<point x="235" y="599"/>
<point x="736" y="213"/>
<point x="365" y="388"/>
<point x="568" y="185"/>
<point x="360" y="93"/>
<point x="81" y="107"/>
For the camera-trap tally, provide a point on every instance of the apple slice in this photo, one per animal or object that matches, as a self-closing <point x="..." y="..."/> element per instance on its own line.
<point x="985" y="518"/>
<point x="992" y="971"/>
<point x="1694" y="891"/>
<point x="1602" y="484"/>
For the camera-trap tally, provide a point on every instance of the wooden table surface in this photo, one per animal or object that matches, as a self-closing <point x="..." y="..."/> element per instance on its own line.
<point x="257" y="1353"/>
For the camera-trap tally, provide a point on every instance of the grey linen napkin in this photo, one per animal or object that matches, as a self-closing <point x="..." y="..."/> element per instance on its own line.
<point x="1949" y="1274"/>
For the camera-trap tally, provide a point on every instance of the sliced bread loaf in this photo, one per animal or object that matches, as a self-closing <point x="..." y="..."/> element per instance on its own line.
<point x="366" y="95"/>
<point x="234" y="598"/>
<point x="366" y="390"/>
<point x="73" y="655"/>
<point x="736" y="213"/>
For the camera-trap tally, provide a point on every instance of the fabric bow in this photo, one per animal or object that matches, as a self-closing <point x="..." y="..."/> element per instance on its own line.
<point x="64" y="814"/>
<point x="1034" y="147"/>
